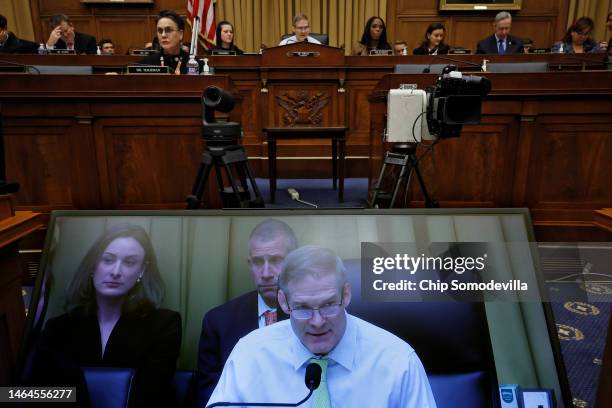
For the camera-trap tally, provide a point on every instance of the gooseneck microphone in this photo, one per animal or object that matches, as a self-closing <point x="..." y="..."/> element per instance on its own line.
<point x="312" y="379"/>
<point x="427" y="69"/>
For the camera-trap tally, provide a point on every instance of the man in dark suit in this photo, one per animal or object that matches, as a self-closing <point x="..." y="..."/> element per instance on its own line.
<point x="10" y="44"/>
<point x="501" y="42"/>
<point x="64" y="37"/>
<point x="223" y="326"/>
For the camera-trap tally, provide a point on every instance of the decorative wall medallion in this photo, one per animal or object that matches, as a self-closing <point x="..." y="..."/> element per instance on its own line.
<point x="301" y="108"/>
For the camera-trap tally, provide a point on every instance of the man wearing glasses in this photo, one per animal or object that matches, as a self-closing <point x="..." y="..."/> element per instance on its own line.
<point x="362" y="365"/>
<point x="222" y="327"/>
<point x="301" y="29"/>
<point x="501" y="42"/>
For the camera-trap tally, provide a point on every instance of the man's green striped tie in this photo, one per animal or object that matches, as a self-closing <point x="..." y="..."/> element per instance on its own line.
<point x="320" y="398"/>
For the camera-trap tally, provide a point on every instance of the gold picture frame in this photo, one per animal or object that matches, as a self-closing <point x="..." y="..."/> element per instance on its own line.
<point x="479" y="5"/>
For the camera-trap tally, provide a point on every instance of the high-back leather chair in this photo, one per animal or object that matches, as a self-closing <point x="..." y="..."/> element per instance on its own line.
<point x="451" y="339"/>
<point x="322" y="38"/>
<point x="108" y="386"/>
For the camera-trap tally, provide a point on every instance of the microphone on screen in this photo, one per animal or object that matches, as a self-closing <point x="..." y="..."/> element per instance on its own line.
<point x="312" y="379"/>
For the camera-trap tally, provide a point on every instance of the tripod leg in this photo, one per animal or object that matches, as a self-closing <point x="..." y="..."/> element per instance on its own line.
<point x="232" y="180"/>
<point x="195" y="199"/>
<point x="373" y="202"/>
<point x="429" y="203"/>
<point x="404" y="175"/>
<point x="258" y="200"/>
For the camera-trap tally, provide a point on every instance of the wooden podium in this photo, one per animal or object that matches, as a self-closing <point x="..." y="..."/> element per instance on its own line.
<point x="14" y="226"/>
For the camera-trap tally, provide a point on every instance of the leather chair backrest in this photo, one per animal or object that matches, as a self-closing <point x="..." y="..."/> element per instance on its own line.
<point x="418" y="68"/>
<point x="451" y="339"/>
<point x="322" y="38"/>
<point x="108" y="386"/>
<point x="518" y="67"/>
<point x="183" y="388"/>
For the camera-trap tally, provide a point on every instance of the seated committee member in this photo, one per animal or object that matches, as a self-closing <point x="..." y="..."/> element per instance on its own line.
<point x="170" y="27"/>
<point x="501" y="42"/>
<point x="607" y="45"/>
<point x="64" y="37"/>
<point x="107" y="47"/>
<point x="577" y="39"/>
<point x="301" y="30"/>
<point x="113" y="319"/>
<point x="400" y="47"/>
<point x="362" y="365"/>
<point x="10" y="44"/>
<point x="225" y="38"/>
<point x="374" y="37"/>
<point x="222" y="327"/>
<point x="434" y="41"/>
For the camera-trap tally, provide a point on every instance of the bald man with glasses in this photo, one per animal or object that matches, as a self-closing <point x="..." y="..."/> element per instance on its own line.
<point x="301" y="31"/>
<point x="362" y="365"/>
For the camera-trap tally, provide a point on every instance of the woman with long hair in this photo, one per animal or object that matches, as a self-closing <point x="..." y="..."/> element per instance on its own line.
<point x="374" y="37"/>
<point x="114" y="319"/>
<point x="225" y="38"/>
<point x="577" y="39"/>
<point x="434" y="41"/>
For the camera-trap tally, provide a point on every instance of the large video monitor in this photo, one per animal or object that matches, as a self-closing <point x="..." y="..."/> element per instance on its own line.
<point x="202" y="260"/>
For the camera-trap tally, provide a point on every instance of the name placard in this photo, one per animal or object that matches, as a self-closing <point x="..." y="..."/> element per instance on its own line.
<point x="222" y="52"/>
<point x="381" y="52"/>
<point x="303" y="54"/>
<point x="460" y="51"/>
<point x="142" y="53"/>
<point x="61" y="52"/>
<point x="539" y="50"/>
<point x="147" y="69"/>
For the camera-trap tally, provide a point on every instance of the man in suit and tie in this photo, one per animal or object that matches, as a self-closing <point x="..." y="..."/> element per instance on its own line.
<point x="501" y="42"/>
<point x="10" y="44"/>
<point x="64" y="37"/>
<point x="223" y="326"/>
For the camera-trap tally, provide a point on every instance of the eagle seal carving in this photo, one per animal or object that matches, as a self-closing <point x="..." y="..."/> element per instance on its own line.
<point x="301" y="108"/>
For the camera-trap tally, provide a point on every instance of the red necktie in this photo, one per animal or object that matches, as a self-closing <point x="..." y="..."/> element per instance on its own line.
<point x="270" y="317"/>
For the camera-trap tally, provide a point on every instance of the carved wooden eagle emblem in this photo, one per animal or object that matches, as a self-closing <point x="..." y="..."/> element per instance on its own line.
<point x="301" y="108"/>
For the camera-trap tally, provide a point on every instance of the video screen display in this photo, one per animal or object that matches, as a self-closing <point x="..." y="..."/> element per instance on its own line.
<point x="180" y="265"/>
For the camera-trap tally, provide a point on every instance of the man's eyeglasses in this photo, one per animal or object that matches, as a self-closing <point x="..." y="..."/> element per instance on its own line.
<point x="167" y="30"/>
<point x="307" y="313"/>
<point x="304" y="28"/>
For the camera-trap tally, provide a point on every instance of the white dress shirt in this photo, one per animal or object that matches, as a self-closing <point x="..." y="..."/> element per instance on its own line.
<point x="369" y="367"/>
<point x="293" y="39"/>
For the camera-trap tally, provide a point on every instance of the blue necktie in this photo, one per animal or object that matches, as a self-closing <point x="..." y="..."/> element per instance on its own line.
<point x="501" y="48"/>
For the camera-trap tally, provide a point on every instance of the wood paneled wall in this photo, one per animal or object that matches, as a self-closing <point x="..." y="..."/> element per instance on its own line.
<point x="544" y="21"/>
<point x="127" y="25"/>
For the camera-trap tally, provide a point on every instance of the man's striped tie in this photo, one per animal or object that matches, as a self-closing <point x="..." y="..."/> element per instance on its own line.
<point x="320" y="398"/>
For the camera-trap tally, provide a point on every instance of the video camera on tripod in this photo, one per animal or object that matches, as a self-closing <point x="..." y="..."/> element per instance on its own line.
<point x="223" y="152"/>
<point x="436" y="113"/>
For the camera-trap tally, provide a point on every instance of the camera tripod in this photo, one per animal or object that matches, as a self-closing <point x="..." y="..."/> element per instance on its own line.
<point x="236" y="195"/>
<point x="404" y="157"/>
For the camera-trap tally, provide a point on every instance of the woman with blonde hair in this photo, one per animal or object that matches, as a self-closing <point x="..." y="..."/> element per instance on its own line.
<point x="114" y="319"/>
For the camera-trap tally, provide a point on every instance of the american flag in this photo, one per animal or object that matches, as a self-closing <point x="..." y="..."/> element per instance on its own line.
<point x="206" y="11"/>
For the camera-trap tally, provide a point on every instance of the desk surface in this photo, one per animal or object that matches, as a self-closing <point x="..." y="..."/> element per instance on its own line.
<point x="21" y="224"/>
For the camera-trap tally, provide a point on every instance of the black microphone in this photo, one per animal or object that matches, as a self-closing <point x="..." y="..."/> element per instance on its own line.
<point x="312" y="379"/>
<point x="427" y="69"/>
